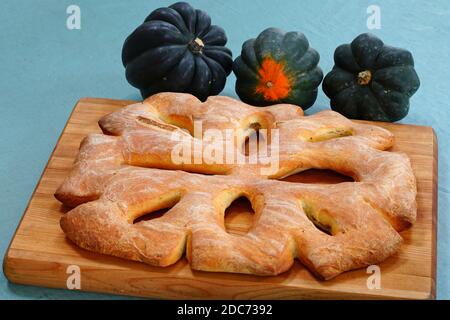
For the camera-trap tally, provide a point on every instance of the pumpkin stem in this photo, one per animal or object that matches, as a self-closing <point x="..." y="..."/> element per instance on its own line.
<point x="364" y="77"/>
<point x="196" y="45"/>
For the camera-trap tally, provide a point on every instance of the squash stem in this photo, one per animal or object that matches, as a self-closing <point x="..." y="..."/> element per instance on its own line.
<point x="364" y="77"/>
<point x="196" y="45"/>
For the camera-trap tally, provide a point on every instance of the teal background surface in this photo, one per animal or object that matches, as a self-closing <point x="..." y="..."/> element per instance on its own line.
<point x="45" y="68"/>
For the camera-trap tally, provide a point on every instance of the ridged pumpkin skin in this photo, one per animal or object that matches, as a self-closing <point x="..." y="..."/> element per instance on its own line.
<point x="177" y="49"/>
<point x="371" y="81"/>
<point x="278" y="67"/>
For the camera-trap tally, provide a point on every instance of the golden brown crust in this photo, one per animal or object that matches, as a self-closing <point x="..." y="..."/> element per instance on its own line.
<point x="363" y="217"/>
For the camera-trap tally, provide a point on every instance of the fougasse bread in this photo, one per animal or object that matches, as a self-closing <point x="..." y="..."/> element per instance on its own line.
<point x="128" y="171"/>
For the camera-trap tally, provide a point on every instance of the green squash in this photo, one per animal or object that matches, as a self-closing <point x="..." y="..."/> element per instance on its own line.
<point x="177" y="49"/>
<point x="278" y="67"/>
<point x="371" y="81"/>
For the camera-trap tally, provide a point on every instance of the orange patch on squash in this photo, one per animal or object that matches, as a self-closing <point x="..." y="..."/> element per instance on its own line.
<point x="273" y="82"/>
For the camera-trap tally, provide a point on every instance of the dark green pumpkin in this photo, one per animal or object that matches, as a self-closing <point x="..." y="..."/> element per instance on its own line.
<point x="371" y="81"/>
<point x="278" y="67"/>
<point x="177" y="49"/>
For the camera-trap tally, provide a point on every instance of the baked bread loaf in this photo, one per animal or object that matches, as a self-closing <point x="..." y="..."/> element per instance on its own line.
<point x="123" y="174"/>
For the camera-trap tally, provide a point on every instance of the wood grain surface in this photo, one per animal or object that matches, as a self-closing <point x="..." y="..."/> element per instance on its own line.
<point x="39" y="253"/>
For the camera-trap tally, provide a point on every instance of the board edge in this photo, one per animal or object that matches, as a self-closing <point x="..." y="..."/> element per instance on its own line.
<point x="434" y="213"/>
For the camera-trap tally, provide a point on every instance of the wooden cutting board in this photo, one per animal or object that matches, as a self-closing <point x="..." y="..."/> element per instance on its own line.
<point x="39" y="253"/>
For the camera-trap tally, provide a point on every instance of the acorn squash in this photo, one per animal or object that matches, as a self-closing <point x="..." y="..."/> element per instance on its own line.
<point x="177" y="49"/>
<point x="371" y="81"/>
<point x="278" y="67"/>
